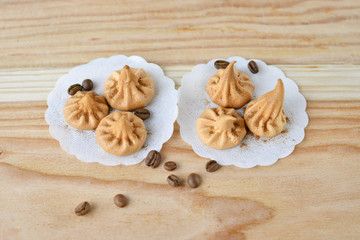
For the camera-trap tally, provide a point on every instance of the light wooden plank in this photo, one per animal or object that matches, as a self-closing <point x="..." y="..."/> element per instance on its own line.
<point x="58" y="33"/>
<point x="316" y="82"/>
<point x="154" y="211"/>
<point x="313" y="194"/>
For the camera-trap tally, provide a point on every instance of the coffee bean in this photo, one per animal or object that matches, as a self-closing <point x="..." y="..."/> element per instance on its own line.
<point x="153" y="159"/>
<point x="174" y="180"/>
<point x="82" y="209"/>
<point x="221" y="64"/>
<point x="142" y="113"/>
<point x="194" y="180"/>
<point x="253" y="67"/>
<point x="120" y="200"/>
<point x="87" y="85"/>
<point x="212" y="166"/>
<point x="74" y="88"/>
<point x="170" y="166"/>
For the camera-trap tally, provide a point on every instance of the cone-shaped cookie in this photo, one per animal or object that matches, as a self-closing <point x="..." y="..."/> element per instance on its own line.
<point x="230" y="88"/>
<point x="129" y="89"/>
<point x="265" y="116"/>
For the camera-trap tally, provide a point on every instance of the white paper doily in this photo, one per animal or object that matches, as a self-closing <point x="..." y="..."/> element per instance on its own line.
<point x="252" y="151"/>
<point x="82" y="143"/>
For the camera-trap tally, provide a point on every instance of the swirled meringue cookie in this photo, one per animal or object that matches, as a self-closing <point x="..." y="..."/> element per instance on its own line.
<point x="265" y="116"/>
<point x="85" y="110"/>
<point x="129" y="89"/>
<point x="220" y="128"/>
<point x="121" y="133"/>
<point x="230" y="88"/>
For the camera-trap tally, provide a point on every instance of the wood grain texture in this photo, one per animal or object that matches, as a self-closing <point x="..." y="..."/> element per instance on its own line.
<point x="312" y="194"/>
<point x="317" y="82"/>
<point x="154" y="211"/>
<point x="67" y="33"/>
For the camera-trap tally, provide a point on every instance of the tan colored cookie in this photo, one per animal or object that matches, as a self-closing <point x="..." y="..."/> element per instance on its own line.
<point x="230" y="88"/>
<point x="121" y="133"/>
<point x="220" y="128"/>
<point x="85" y="110"/>
<point x="265" y="116"/>
<point x="129" y="89"/>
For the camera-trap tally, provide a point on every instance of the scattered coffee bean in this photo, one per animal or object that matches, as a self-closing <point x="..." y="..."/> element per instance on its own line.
<point x="170" y="166"/>
<point x="174" y="180"/>
<point x="253" y="67"/>
<point x="142" y="113"/>
<point x="74" y="89"/>
<point x="87" y="85"/>
<point x="221" y="64"/>
<point x="153" y="159"/>
<point x="120" y="200"/>
<point x="212" y="166"/>
<point x="82" y="209"/>
<point x="194" y="180"/>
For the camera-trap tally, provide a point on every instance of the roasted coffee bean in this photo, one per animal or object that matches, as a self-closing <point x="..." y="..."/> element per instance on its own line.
<point x="82" y="209"/>
<point x="170" y="166"/>
<point x="142" y="113"/>
<point x="120" y="200"/>
<point x="87" y="85"/>
<point x="174" y="180"/>
<point x="253" y="67"/>
<point x="194" y="180"/>
<point x="153" y="159"/>
<point x="221" y="64"/>
<point x="212" y="166"/>
<point x="74" y="88"/>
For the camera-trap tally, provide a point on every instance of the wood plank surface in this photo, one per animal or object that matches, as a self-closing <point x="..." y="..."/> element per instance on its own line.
<point x="318" y="82"/>
<point x="312" y="194"/>
<point x="67" y="33"/>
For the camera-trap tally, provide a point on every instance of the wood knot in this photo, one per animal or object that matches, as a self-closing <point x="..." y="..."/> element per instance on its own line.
<point x="2" y="151"/>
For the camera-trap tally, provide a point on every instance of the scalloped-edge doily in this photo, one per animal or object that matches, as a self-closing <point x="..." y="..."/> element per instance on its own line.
<point x="252" y="151"/>
<point x="82" y="143"/>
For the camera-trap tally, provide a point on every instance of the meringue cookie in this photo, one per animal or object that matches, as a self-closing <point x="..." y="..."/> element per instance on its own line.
<point x="85" y="110"/>
<point x="265" y="116"/>
<point x="129" y="89"/>
<point x="220" y="128"/>
<point x="230" y="88"/>
<point x="121" y="133"/>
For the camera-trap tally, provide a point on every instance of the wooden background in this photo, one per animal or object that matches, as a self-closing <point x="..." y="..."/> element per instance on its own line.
<point x="312" y="194"/>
